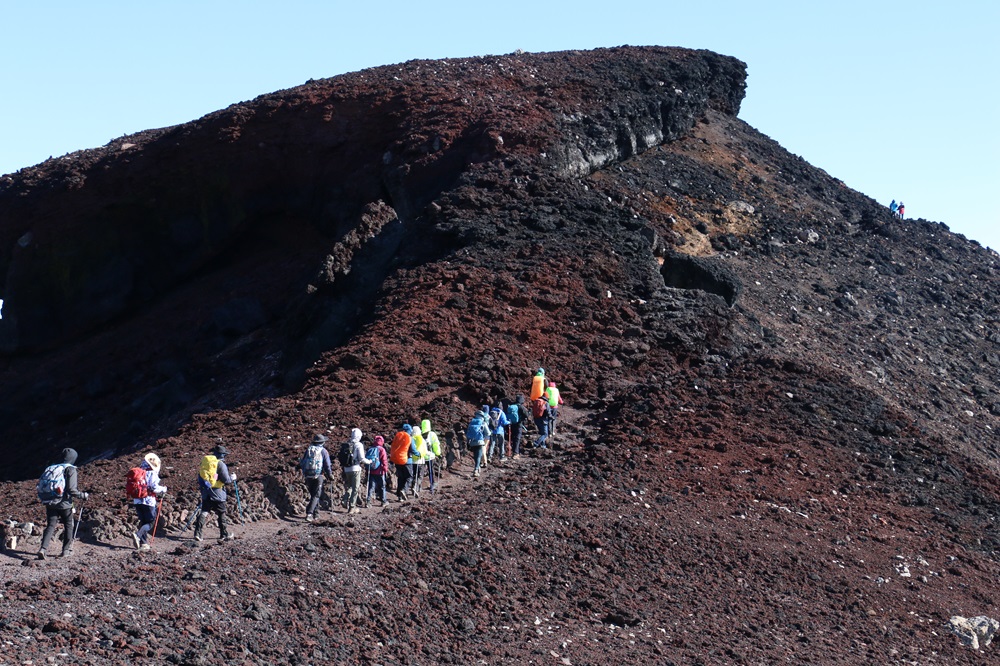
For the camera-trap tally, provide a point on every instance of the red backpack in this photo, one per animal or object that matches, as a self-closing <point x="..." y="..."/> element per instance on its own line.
<point x="135" y="484"/>
<point x="540" y="407"/>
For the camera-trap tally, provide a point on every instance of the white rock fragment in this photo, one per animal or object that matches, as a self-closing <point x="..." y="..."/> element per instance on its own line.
<point x="975" y="632"/>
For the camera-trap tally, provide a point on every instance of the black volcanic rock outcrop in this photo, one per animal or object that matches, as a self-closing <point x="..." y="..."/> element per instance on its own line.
<point x="778" y="443"/>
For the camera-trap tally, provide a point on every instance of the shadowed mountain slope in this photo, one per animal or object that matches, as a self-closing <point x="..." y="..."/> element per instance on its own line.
<point x="778" y="443"/>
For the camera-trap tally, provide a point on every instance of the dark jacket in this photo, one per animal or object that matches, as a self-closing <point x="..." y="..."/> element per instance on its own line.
<point x="217" y="494"/>
<point x="69" y="458"/>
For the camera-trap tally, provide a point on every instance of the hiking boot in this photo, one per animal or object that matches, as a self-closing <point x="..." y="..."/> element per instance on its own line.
<point x="66" y="553"/>
<point x="355" y="510"/>
<point x="475" y="474"/>
<point x="309" y="517"/>
<point x="144" y="546"/>
<point x="228" y="537"/>
<point x="41" y="555"/>
<point x="136" y="541"/>
<point x="197" y="537"/>
<point x="401" y="497"/>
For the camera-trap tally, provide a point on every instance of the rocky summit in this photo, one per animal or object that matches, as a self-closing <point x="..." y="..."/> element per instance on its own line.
<point x="778" y="442"/>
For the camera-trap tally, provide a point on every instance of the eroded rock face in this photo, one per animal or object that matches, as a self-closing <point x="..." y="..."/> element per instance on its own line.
<point x="780" y="416"/>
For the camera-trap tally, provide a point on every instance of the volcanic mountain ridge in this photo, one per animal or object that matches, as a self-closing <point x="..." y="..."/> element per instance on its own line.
<point x="778" y="443"/>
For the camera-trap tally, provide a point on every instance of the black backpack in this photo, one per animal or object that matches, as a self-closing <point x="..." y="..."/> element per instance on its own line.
<point x="346" y="455"/>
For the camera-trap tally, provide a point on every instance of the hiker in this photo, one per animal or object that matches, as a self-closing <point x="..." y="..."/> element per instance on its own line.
<point x="315" y="465"/>
<point x="56" y="490"/>
<point x="352" y="457"/>
<point x="377" y="470"/>
<point x="476" y="435"/>
<point x="902" y="210"/>
<point x="537" y="384"/>
<point x="498" y="421"/>
<point x="418" y="462"/>
<point x="213" y="477"/>
<point x="540" y="414"/>
<point x="517" y="415"/>
<point x="433" y="443"/>
<point x="893" y="207"/>
<point x="552" y="393"/>
<point x="143" y="487"/>
<point x="399" y="454"/>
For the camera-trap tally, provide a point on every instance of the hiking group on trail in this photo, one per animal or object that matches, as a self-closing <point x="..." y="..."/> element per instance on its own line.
<point x="493" y="434"/>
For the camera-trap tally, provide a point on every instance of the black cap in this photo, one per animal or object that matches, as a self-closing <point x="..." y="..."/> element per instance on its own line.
<point x="219" y="451"/>
<point x="319" y="440"/>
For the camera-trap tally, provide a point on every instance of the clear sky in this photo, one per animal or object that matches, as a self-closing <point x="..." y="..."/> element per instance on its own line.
<point x="897" y="99"/>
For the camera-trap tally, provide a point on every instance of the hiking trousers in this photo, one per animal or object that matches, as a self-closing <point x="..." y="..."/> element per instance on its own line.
<point x="376" y="484"/>
<point x="516" y="431"/>
<point x="403" y="474"/>
<point x="219" y="509"/>
<point x="315" y="487"/>
<point x="477" y="455"/>
<point x="352" y="487"/>
<point x="543" y="432"/>
<point x="147" y="516"/>
<point x="416" y="478"/>
<point x="53" y="517"/>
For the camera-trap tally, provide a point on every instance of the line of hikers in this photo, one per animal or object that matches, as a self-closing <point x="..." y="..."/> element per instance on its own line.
<point x="414" y="453"/>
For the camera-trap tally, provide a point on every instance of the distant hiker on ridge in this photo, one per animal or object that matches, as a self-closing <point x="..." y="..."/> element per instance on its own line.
<point x="56" y="490"/>
<point x="893" y="207"/>
<point x="142" y="486"/>
<point x="902" y="210"/>
<point x="315" y="465"/>
<point x="213" y="477"/>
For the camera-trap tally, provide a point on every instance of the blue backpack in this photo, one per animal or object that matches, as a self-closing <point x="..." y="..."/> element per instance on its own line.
<point x="513" y="413"/>
<point x="372" y="454"/>
<point x="475" y="430"/>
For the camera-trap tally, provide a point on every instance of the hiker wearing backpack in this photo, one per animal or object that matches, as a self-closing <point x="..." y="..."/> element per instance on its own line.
<point x="377" y="469"/>
<point x="56" y="490"/>
<point x="498" y="440"/>
<point x="142" y="486"/>
<point x="433" y="443"/>
<point x="476" y="435"/>
<point x="418" y="463"/>
<point x="552" y="393"/>
<point x="537" y="384"/>
<point x="213" y="477"/>
<point x="399" y="454"/>
<point x="517" y="415"/>
<point x="540" y="414"/>
<point x="352" y="457"/>
<point x="315" y="465"/>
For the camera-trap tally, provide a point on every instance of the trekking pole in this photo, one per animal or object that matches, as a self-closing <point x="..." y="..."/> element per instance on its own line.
<point x="190" y="521"/>
<point x="430" y="473"/>
<point x="239" y="506"/>
<point x="159" y="510"/>
<point x="76" y="528"/>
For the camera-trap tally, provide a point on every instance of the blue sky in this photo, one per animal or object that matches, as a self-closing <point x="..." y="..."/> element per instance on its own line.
<point x="897" y="99"/>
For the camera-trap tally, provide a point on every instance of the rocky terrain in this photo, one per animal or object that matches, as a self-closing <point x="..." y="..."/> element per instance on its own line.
<point x="778" y="444"/>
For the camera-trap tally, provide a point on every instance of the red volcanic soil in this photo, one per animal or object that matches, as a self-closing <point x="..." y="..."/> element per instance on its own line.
<point x="778" y="443"/>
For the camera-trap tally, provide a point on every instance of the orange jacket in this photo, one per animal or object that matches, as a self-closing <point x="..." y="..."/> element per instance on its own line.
<point x="537" y="386"/>
<point x="400" y="450"/>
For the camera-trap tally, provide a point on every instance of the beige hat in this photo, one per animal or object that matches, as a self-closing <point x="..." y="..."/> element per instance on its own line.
<point x="153" y="460"/>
